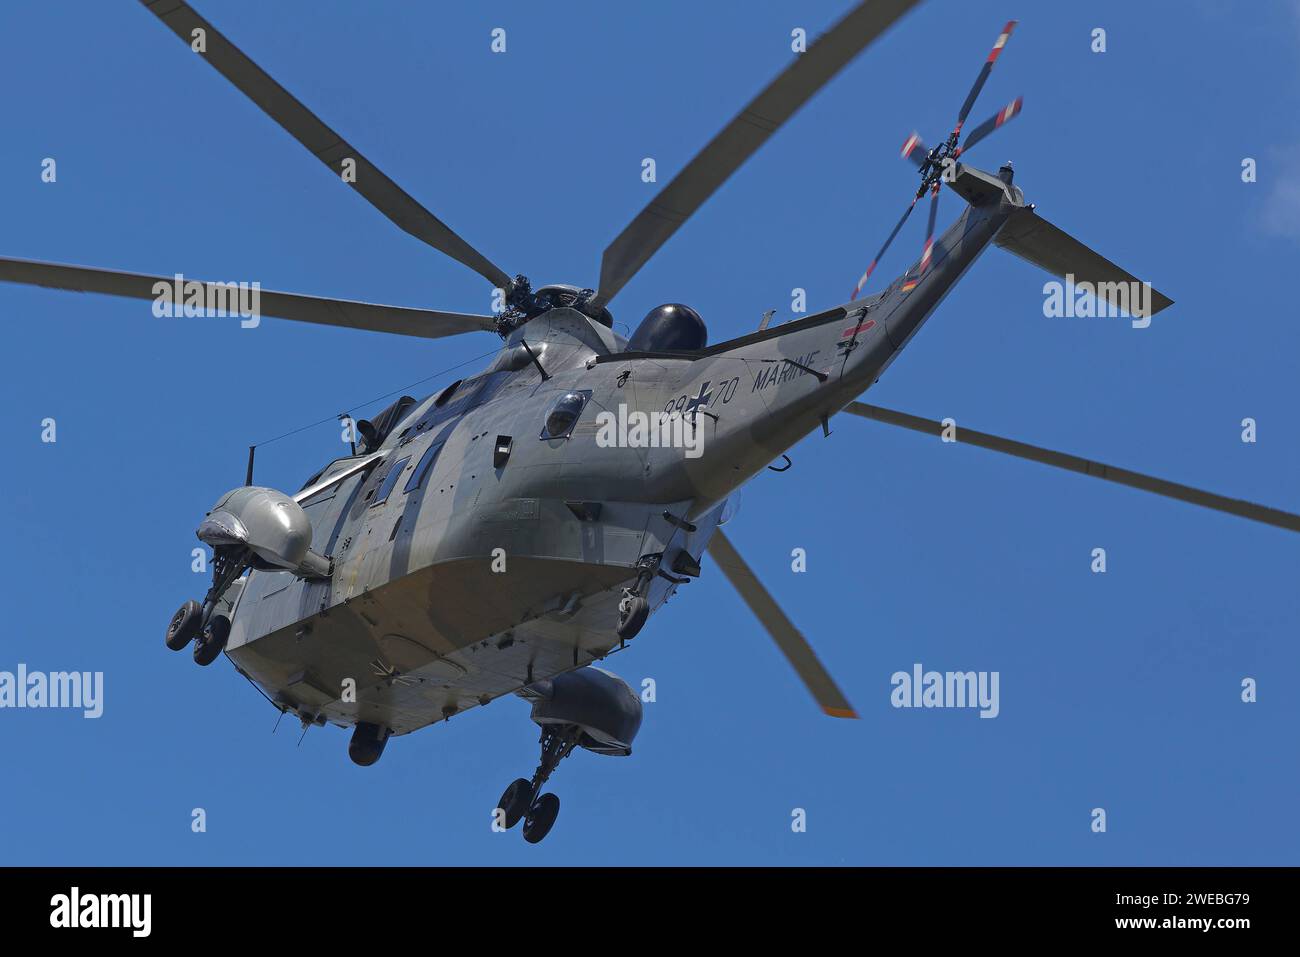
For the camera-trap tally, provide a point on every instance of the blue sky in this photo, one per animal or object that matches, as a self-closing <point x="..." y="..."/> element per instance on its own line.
<point x="1119" y="691"/>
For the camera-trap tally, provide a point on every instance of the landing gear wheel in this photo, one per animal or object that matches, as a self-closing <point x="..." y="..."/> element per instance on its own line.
<point x="213" y="640"/>
<point x="540" y="818"/>
<point x="632" y="613"/>
<point x="514" y="802"/>
<point x="184" y="626"/>
<point x="367" y="744"/>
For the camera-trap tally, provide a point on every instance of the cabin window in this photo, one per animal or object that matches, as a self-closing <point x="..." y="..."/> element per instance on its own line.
<point x="564" y="415"/>
<point x="386" y="488"/>
<point x="423" y="467"/>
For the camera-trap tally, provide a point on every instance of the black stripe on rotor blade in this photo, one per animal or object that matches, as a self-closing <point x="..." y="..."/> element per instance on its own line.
<point x="1073" y="463"/>
<point x="326" y="145"/>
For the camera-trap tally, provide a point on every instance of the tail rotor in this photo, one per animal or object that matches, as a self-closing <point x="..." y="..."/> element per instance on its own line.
<point x="932" y="163"/>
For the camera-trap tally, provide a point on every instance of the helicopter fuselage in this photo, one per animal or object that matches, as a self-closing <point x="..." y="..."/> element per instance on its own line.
<point x="491" y="545"/>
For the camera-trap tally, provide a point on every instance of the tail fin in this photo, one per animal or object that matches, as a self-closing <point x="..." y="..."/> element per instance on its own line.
<point x="1034" y="239"/>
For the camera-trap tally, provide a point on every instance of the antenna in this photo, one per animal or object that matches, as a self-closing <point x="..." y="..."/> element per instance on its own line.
<point x="352" y="430"/>
<point x="537" y="362"/>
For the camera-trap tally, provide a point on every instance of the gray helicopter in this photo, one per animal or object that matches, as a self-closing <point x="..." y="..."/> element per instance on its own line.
<point x="504" y="535"/>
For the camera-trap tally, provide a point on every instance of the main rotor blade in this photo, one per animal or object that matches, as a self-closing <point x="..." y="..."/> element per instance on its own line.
<point x="400" y="320"/>
<point x="740" y="138"/>
<point x="326" y="145"/>
<point x="985" y="70"/>
<point x="792" y="644"/>
<point x="1004" y="115"/>
<point x="1072" y="463"/>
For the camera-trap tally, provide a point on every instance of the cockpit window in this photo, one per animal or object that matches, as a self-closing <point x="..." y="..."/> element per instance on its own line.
<point x="564" y="415"/>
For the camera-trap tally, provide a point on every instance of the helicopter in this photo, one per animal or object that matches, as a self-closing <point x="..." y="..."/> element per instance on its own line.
<point x="507" y="534"/>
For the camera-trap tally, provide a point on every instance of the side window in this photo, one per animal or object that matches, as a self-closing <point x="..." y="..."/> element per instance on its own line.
<point x="424" y="466"/>
<point x="390" y="480"/>
<point x="564" y="415"/>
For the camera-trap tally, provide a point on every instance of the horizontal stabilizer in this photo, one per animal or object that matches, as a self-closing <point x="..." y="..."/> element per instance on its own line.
<point x="1034" y="239"/>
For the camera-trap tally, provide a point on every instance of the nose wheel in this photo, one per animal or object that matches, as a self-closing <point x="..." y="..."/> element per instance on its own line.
<point x="185" y="625"/>
<point x="212" y="640"/>
<point x="523" y="799"/>
<point x="200" y="623"/>
<point x="192" y="623"/>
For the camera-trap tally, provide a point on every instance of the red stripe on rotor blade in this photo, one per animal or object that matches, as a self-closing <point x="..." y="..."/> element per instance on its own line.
<point x="925" y="256"/>
<point x="1003" y="37"/>
<point x="910" y="144"/>
<point x="863" y="281"/>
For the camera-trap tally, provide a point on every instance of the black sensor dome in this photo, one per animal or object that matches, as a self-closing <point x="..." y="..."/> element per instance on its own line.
<point x="671" y="327"/>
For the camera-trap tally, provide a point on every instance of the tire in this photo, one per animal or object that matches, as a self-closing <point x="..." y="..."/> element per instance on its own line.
<point x="184" y="626"/>
<point x="514" y="802"/>
<point x="540" y="818"/>
<point x="213" y="641"/>
<point x="638" y="612"/>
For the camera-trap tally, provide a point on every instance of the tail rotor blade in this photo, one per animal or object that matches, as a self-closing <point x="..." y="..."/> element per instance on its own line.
<point x="929" y="230"/>
<point x="980" y="80"/>
<point x="870" y="269"/>
<point x="1004" y="115"/>
<point x="915" y="151"/>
